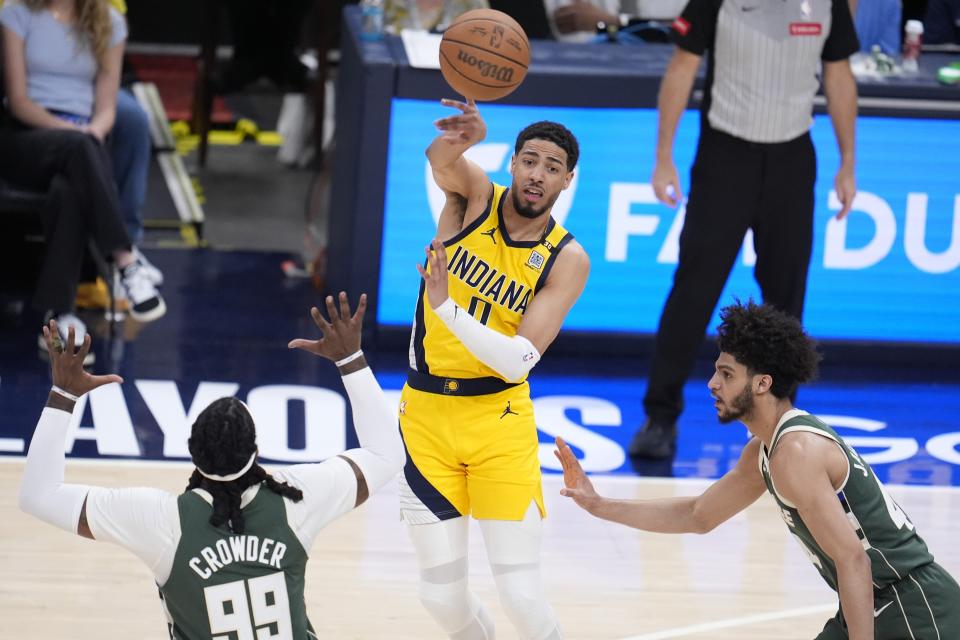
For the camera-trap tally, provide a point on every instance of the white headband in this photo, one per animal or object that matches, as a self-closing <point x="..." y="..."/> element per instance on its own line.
<point x="230" y="476"/>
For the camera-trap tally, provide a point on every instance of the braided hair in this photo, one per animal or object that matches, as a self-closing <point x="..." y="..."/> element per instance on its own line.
<point x="221" y="442"/>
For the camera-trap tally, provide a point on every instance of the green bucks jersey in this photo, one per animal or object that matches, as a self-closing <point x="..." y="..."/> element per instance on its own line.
<point x="229" y="586"/>
<point x="887" y="535"/>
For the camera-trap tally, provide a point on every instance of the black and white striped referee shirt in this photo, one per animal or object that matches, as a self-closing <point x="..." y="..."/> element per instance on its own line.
<point x="762" y="71"/>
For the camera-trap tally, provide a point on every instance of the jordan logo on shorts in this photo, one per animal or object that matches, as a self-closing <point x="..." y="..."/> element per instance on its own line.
<point x="508" y="412"/>
<point x="491" y="234"/>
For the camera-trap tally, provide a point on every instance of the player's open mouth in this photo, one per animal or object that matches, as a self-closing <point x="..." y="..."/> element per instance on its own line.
<point x="533" y="195"/>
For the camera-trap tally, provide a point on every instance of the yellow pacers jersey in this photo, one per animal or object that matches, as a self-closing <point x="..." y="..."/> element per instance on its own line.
<point x="491" y="276"/>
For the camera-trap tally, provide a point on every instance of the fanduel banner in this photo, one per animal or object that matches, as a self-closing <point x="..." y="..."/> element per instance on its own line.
<point x="890" y="271"/>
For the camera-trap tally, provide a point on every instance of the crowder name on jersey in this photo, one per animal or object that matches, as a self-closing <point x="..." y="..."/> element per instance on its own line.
<point x="243" y="548"/>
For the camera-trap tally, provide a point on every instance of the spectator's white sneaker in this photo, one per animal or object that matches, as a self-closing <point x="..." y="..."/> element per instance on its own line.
<point x="64" y="322"/>
<point x="146" y="304"/>
<point x="154" y="275"/>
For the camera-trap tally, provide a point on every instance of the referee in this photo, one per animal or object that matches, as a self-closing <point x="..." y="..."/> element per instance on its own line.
<point x="755" y="168"/>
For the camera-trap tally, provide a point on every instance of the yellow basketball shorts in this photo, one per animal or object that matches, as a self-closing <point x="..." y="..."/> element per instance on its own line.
<point x="470" y="454"/>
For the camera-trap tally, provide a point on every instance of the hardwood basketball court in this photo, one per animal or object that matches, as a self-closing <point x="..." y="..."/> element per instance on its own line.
<point x="747" y="580"/>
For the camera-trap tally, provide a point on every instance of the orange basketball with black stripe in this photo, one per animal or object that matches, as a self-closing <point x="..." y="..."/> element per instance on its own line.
<point x="484" y="54"/>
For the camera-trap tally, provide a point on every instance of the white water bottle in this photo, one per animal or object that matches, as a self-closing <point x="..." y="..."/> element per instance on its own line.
<point x="912" y="39"/>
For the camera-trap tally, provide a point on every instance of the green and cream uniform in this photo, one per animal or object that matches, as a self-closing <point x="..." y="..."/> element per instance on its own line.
<point x="216" y="584"/>
<point x="913" y="596"/>
<point x="235" y="585"/>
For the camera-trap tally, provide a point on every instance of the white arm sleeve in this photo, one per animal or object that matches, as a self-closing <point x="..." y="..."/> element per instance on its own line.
<point x="511" y="357"/>
<point x="139" y="520"/>
<point x="330" y="488"/>
<point x="329" y="491"/>
<point x="382" y="454"/>
<point x="43" y="493"/>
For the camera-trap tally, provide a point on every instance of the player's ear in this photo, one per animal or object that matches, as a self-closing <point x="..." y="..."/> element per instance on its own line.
<point x="763" y="383"/>
<point x="568" y="179"/>
<point x="513" y="162"/>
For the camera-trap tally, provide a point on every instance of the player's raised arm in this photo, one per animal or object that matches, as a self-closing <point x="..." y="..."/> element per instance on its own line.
<point x="728" y="496"/>
<point x="458" y="132"/>
<point x="381" y="455"/>
<point x="43" y="493"/>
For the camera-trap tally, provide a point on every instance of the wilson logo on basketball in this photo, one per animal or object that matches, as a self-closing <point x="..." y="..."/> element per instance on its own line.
<point x="805" y="28"/>
<point x="486" y="69"/>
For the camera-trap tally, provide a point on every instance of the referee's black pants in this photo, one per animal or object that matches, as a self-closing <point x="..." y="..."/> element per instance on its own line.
<point x="735" y="185"/>
<point x="74" y="169"/>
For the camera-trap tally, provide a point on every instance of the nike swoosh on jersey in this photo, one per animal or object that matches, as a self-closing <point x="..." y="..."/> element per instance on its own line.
<point x="877" y="612"/>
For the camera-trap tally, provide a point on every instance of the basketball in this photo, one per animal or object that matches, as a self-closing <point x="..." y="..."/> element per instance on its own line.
<point x="484" y="54"/>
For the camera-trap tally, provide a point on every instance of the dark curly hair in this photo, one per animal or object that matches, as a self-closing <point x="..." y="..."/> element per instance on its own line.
<point x="769" y="341"/>
<point x="551" y="132"/>
<point x="221" y="441"/>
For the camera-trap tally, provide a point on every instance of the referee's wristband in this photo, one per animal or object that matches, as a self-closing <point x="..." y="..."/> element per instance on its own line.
<point x="64" y="393"/>
<point x="350" y="358"/>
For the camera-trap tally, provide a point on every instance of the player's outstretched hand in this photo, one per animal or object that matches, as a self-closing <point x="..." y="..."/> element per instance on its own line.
<point x="340" y="336"/>
<point x="465" y="128"/>
<point x="66" y="364"/>
<point x="435" y="276"/>
<point x="576" y="483"/>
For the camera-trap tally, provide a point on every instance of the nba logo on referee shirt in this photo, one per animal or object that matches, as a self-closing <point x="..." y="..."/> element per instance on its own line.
<point x="536" y="260"/>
